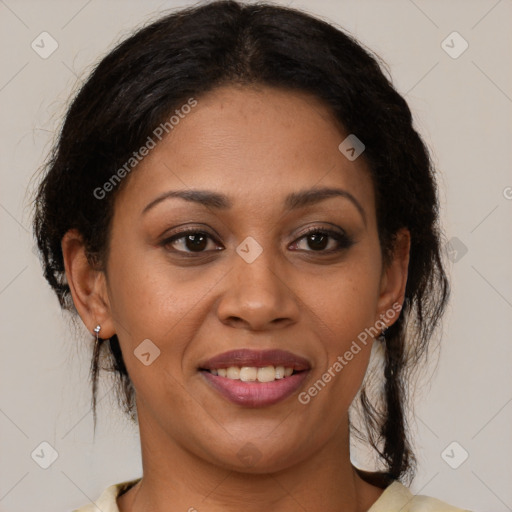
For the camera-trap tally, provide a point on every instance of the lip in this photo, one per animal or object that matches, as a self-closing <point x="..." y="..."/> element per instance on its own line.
<point x="255" y="394"/>
<point x="256" y="358"/>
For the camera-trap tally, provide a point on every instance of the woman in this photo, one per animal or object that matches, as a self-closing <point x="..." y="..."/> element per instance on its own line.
<point x="239" y="210"/>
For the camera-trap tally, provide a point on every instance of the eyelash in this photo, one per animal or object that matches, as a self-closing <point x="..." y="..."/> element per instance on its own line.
<point x="344" y="241"/>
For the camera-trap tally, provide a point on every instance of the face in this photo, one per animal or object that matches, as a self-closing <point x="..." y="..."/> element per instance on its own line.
<point x="276" y="269"/>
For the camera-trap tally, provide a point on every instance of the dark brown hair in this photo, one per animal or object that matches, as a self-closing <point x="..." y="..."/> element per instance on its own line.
<point x="190" y="52"/>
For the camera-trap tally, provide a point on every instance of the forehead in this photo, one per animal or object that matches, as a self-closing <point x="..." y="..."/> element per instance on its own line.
<point x="254" y="144"/>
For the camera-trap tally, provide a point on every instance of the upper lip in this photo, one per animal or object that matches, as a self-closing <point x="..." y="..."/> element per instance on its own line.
<point x="256" y="358"/>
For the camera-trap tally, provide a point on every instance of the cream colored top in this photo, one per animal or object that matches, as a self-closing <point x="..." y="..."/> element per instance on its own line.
<point x="395" y="498"/>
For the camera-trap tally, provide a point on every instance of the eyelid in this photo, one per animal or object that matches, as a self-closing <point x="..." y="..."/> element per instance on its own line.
<point x="343" y="240"/>
<point x="313" y="229"/>
<point x="183" y="233"/>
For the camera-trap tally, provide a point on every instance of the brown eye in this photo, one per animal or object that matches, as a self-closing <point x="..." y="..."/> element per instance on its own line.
<point x="326" y="241"/>
<point x="189" y="241"/>
<point x="318" y="241"/>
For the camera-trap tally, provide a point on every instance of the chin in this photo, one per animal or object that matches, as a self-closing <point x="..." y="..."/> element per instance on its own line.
<point x="260" y="457"/>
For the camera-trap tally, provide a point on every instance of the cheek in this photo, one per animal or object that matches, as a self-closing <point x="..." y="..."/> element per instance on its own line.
<point x="146" y="294"/>
<point x="344" y="306"/>
<point x="150" y="300"/>
<point x="345" y="300"/>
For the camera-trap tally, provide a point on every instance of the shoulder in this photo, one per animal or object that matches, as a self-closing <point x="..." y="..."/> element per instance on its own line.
<point x="397" y="497"/>
<point x="107" y="502"/>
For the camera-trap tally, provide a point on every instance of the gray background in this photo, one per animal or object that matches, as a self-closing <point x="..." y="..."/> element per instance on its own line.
<point x="462" y="107"/>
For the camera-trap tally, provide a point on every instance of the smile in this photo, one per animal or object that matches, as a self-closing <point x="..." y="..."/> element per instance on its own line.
<point x="252" y="373"/>
<point x="255" y="378"/>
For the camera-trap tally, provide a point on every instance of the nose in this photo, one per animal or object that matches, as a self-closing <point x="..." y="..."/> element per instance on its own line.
<point x="258" y="295"/>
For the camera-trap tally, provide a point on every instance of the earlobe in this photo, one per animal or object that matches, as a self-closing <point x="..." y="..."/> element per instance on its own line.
<point x="87" y="285"/>
<point x="394" y="279"/>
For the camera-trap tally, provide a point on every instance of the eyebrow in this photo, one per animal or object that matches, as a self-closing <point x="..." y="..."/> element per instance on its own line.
<point x="293" y="201"/>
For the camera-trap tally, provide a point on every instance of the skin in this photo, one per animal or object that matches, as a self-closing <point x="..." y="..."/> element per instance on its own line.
<point x="255" y="145"/>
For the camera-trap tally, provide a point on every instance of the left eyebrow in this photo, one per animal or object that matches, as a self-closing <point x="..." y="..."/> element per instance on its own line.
<point x="305" y="198"/>
<point x="293" y="201"/>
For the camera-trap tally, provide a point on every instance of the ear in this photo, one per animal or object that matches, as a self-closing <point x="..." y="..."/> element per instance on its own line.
<point x="87" y="284"/>
<point x="394" y="280"/>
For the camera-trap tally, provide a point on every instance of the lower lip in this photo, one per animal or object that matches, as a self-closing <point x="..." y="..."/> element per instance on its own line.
<point x="255" y="394"/>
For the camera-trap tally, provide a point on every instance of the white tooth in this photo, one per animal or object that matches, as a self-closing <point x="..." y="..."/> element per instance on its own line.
<point x="248" y="373"/>
<point x="222" y="372"/>
<point x="288" y="372"/>
<point x="233" y="372"/>
<point x="279" y="372"/>
<point x="266" y="374"/>
<point x="214" y="372"/>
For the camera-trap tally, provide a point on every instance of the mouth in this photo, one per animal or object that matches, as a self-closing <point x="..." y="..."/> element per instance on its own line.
<point x="255" y="378"/>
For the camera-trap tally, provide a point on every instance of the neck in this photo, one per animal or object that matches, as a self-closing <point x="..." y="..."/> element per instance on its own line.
<point x="176" y="480"/>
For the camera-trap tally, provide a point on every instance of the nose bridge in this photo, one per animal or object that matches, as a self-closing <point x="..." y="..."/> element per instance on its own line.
<point x="256" y="271"/>
<point x="257" y="294"/>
